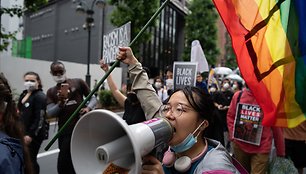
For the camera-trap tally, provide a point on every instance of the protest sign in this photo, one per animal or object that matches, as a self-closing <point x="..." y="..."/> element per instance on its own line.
<point x="118" y="37"/>
<point x="248" y="127"/>
<point x="184" y="74"/>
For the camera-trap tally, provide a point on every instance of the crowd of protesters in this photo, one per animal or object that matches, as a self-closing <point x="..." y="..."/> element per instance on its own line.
<point x="209" y="128"/>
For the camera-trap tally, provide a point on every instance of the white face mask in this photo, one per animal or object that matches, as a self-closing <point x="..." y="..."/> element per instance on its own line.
<point x="158" y="85"/>
<point x="212" y="89"/>
<point x="59" y="79"/>
<point x="30" y="86"/>
<point x="226" y="85"/>
<point x="234" y="86"/>
<point x="169" y="83"/>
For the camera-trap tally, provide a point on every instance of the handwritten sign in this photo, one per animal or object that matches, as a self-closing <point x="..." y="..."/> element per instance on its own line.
<point x="118" y="37"/>
<point x="184" y="74"/>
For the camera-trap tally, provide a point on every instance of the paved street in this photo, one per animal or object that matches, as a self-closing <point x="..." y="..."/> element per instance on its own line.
<point x="48" y="159"/>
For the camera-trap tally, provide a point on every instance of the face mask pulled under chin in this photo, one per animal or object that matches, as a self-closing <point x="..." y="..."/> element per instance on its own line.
<point x="59" y="79"/>
<point x="188" y="142"/>
<point x="30" y="86"/>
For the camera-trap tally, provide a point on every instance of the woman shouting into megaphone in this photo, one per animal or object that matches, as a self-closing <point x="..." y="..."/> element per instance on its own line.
<point x="194" y="147"/>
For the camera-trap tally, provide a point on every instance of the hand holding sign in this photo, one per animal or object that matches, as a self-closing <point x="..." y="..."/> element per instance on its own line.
<point x="119" y="37"/>
<point x="126" y="56"/>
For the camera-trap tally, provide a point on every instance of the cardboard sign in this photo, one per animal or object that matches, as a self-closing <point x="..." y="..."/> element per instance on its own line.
<point x="118" y="37"/>
<point x="184" y="74"/>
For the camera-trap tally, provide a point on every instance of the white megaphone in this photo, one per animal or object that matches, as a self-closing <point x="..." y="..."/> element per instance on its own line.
<point x="101" y="138"/>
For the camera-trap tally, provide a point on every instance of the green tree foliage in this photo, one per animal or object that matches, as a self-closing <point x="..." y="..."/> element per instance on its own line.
<point x="29" y="5"/>
<point x="230" y="57"/>
<point x="138" y="12"/>
<point x="201" y="25"/>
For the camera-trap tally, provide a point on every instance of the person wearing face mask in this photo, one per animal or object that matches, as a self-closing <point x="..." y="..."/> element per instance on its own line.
<point x="252" y="142"/>
<point x="191" y="113"/>
<point x="212" y="88"/>
<point x="237" y="86"/>
<point x="161" y="91"/>
<point x="32" y="110"/>
<point x="192" y="149"/>
<point x="222" y="100"/>
<point x="62" y="100"/>
<point x="169" y="79"/>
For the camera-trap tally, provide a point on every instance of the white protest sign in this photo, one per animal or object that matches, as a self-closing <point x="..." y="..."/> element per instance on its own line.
<point x="184" y="74"/>
<point x="118" y="37"/>
<point x="197" y="55"/>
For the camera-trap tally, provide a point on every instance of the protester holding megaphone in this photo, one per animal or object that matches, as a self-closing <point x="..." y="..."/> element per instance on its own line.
<point x="191" y="113"/>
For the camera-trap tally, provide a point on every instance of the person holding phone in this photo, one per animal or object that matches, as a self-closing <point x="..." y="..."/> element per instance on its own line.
<point x="62" y="100"/>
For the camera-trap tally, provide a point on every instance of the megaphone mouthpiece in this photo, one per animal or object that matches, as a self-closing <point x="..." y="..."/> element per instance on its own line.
<point x="114" y="150"/>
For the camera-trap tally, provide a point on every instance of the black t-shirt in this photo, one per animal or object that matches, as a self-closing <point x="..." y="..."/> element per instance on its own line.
<point x="223" y="98"/>
<point x="32" y="112"/>
<point x="133" y="112"/>
<point x="78" y="89"/>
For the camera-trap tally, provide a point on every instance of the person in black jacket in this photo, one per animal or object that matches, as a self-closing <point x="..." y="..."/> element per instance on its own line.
<point x="32" y="110"/>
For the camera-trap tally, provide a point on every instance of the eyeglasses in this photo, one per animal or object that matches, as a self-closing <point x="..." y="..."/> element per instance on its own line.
<point x="176" y="111"/>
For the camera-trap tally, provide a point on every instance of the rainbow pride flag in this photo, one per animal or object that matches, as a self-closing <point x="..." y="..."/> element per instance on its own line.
<point x="269" y="39"/>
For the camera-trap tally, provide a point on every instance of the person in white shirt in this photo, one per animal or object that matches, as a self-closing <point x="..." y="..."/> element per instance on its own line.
<point x="160" y="88"/>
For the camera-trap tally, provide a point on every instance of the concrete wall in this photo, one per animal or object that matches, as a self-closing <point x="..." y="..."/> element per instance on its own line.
<point x="14" y="68"/>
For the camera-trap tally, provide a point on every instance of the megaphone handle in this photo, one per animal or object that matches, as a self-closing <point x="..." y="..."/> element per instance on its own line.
<point x="158" y="152"/>
<point x="103" y="79"/>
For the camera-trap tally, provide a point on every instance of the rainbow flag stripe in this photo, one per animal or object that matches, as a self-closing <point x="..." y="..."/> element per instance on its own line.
<point x="269" y="39"/>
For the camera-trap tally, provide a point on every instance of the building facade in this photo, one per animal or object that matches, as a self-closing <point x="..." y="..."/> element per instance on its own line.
<point x="57" y="33"/>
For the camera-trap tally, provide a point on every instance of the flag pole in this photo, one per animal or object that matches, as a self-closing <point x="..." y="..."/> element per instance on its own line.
<point x="75" y="113"/>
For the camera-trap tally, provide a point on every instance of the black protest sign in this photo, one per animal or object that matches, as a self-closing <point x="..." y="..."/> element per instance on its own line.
<point x="184" y="74"/>
<point x="248" y="127"/>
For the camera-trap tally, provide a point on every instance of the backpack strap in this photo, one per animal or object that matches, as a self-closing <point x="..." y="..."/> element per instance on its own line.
<point x="239" y="166"/>
<point x="239" y="96"/>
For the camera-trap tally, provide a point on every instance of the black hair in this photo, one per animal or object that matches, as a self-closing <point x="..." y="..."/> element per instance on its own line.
<point x="204" y="105"/>
<point x="11" y="123"/>
<point x="56" y="63"/>
<point x="169" y="68"/>
<point x="240" y="85"/>
<point x="37" y="78"/>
